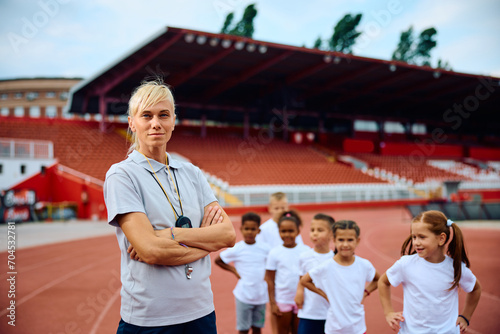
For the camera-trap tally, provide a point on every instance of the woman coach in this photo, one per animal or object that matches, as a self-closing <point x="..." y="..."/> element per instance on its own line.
<point x="167" y="222"/>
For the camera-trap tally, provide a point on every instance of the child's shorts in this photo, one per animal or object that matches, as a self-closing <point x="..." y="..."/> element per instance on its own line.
<point x="288" y="308"/>
<point x="248" y="316"/>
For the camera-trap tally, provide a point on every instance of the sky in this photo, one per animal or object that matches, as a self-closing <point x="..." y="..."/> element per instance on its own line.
<point x="70" y="38"/>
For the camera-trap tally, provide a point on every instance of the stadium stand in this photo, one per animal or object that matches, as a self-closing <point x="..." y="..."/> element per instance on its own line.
<point x="416" y="170"/>
<point x="468" y="171"/>
<point x="78" y="145"/>
<point x="240" y="161"/>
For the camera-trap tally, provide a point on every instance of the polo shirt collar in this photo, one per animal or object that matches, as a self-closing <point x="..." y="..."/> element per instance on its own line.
<point x="139" y="159"/>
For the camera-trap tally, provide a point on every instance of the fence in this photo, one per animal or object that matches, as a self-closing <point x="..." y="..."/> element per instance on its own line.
<point x="259" y="195"/>
<point x="32" y="149"/>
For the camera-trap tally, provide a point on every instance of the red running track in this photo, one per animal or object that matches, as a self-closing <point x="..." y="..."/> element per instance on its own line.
<point x="73" y="287"/>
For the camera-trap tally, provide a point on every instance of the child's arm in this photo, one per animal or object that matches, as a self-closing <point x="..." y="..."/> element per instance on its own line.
<point x="372" y="286"/>
<point x="471" y="301"/>
<point x="270" y="276"/>
<point x="299" y="295"/>
<point x="225" y="266"/>
<point x="384" y="290"/>
<point x="306" y="282"/>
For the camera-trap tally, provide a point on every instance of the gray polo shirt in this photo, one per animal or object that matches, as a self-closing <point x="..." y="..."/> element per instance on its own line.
<point x="155" y="295"/>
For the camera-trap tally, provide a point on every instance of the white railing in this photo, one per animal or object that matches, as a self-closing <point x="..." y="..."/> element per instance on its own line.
<point x="327" y="193"/>
<point x="26" y="149"/>
<point x="75" y="173"/>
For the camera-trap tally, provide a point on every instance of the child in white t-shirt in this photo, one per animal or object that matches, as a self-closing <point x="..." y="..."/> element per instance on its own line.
<point x="342" y="281"/>
<point x="269" y="232"/>
<point x="431" y="269"/>
<point x="282" y="273"/>
<point x="249" y="258"/>
<point x="313" y="308"/>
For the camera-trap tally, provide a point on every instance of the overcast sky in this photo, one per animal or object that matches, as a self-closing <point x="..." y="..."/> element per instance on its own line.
<point x="70" y="38"/>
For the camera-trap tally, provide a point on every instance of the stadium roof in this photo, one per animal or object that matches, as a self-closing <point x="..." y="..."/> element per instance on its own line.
<point x="225" y="77"/>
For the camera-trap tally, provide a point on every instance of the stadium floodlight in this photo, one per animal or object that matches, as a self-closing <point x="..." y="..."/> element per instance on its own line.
<point x="327" y="58"/>
<point x="392" y="68"/>
<point x="214" y="41"/>
<point x="189" y="38"/>
<point x="337" y="60"/>
<point x="239" y="45"/>
<point x="201" y="39"/>
<point x="251" y="47"/>
<point x="226" y="43"/>
<point x="262" y="49"/>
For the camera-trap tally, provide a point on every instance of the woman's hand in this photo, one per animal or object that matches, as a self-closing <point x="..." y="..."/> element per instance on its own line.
<point x="212" y="216"/>
<point x="133" y="253"/>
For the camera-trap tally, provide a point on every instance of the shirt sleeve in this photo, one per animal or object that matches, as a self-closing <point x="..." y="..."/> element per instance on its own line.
<point x="370" y="272"/>
<point x="316" y="274"/>
<point x="229" y="255"/>
<point x="206" y="192"/>
<point x="121" y="196"/>
<point x="395" y="273"/>
<point x="302" y="266"/>
<point x="467" y="280"/>
<point x="271" y="263"/>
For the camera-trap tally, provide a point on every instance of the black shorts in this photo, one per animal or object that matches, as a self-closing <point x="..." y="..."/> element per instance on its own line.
<point x="205" y="325"/>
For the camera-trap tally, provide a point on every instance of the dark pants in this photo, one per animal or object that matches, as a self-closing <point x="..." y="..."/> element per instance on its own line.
<point x="308" y="326"/>
<point x="205" y="325"/>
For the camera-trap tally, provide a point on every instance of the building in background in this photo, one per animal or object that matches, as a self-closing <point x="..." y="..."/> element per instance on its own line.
<point x="35" y="97"/>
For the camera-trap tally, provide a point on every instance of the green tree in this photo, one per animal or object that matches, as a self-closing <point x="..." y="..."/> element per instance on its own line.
<point x="425" y="44"/>
<point x="318" y="43"/>
<point x="444" y="65"/>
<point x="244" y="27"/>
<point x="345" y="34"/>
<point x="416" y="52"/>
<point x="227" y="23"/>
<point x="404" y="50"/>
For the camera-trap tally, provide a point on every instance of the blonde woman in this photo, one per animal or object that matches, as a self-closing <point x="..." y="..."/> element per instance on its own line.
<point x="167" y="222"/>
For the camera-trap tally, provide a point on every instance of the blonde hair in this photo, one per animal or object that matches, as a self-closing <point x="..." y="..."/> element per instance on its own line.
<point x="278" y="196"/>
<point x="148" y="94"/>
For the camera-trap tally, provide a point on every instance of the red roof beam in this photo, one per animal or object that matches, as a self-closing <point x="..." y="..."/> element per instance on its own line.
<point x="339" y="81"/>
<point x="245" y="75"/>
<point x="142" y="61"/>
<point x="195" y="69"/>
<point x="374" y="86"/>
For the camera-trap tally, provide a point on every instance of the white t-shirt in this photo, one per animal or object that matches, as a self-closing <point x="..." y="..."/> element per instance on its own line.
<point x="315" y="307"/>
<point x="285" y="261"/>
<point x="345" y="287"/>
<point x="250" y="262"/>
<point x="270" y="234"/>
<point x="429" y="307"/>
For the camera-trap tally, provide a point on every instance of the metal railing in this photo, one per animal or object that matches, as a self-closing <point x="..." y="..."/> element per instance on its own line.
<point x="328" y="193"/>
<point x="26" y="149"/>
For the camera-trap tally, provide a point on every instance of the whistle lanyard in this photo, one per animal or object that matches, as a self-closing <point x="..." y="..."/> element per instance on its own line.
<point x="176" y="186"/>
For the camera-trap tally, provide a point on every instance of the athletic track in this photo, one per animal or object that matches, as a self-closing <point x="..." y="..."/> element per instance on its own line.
<point x="73" y="287"/>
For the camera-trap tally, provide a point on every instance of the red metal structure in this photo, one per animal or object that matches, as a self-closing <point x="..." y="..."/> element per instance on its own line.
<point x="240" y="80"/>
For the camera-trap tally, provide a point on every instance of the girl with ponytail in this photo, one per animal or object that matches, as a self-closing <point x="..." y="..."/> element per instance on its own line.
<point x="434" y="264"/>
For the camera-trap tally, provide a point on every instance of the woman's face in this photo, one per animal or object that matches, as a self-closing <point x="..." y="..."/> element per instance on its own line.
<point x="153" y="126"/>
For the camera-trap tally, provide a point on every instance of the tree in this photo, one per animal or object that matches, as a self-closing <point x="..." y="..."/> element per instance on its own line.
<point x="345" y="34"/>
<point x="425" y="44"/>
<point x="227" y="23"/>
<point x="444" y="65"/>
<point x="416" y="53"/>
<point x="318" y="43"/>
<point x="244" y="27"/>
<point x="404" y="50"/>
